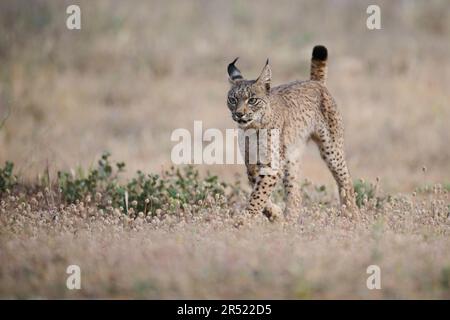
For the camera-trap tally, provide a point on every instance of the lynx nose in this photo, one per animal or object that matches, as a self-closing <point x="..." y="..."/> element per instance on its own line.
<point x="239" y="114"/>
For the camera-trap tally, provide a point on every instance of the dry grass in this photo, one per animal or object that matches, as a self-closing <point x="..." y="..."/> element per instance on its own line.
<point x="135" y="72"/>
<point x="199" y="253"/>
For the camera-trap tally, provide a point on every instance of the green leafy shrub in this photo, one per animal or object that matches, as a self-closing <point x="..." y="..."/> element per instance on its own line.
<point x="363" y="190"/>
<point x="7" y="178"/>
<point x="102" y="178"/>
<point x="144" y="192"/>
<point x="177" y="187"/>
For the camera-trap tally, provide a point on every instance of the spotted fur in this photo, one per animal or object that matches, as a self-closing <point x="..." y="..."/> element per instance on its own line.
<point x="302" y="111"/>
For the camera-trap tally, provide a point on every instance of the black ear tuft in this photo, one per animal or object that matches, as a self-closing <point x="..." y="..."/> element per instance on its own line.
<point x="320" y="53"/>
<point x="234" y="72"/>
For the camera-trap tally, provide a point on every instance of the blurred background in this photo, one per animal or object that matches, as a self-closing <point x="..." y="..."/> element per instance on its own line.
<point x="137" y="70"/>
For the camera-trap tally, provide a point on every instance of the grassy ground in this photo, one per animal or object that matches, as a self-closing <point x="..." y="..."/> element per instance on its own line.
<point x="201" y="254"/>
<point x="135" y="72"/>
<point x="195" y="243"/>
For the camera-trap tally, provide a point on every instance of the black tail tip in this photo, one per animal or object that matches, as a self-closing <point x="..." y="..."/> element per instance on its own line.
<point x="320" y="53"/>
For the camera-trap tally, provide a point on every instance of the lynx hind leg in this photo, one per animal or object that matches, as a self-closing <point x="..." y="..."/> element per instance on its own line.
<point x="331" y="149"/>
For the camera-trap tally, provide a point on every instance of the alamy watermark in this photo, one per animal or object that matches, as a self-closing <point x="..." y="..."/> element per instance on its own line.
<point x="374" y="280"/>
<point x="373" y="21"/>
<point x="259" y="147"/>
<point x="73" y="21"/>
<point x="73" y="281"/>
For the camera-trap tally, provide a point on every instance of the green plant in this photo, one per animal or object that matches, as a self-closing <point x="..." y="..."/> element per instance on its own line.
<point x="7" y="178"/>
<point x="177" y="188"/>
<point x="174" y="189"/>
<point x="363" y="190"/>
<point x="102" y="178"/>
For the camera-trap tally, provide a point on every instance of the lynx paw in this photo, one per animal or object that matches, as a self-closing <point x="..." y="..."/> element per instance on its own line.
<point x="273" y="212"/>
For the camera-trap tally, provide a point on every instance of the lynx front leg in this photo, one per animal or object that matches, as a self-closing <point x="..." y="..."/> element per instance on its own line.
<point x="271" y="210"/>
<point x="292" y="175"/>
<point x="262" y="190"/>
<point x="291" y="182"/>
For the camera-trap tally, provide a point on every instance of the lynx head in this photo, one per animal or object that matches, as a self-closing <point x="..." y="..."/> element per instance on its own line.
<point x="248" y="99"/>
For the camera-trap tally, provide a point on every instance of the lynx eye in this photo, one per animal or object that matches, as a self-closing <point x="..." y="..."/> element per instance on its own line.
<point x="232" y="101"/>
<point x="253" y="101"/>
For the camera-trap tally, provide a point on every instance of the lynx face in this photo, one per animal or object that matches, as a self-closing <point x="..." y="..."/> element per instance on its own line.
<point x="248" y="99"/>
<point x="247" y="102"/>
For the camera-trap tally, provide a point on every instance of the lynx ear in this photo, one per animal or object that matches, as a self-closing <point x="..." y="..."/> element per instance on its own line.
<point x="265" y="76"/>
<point x="233" y="72"/>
